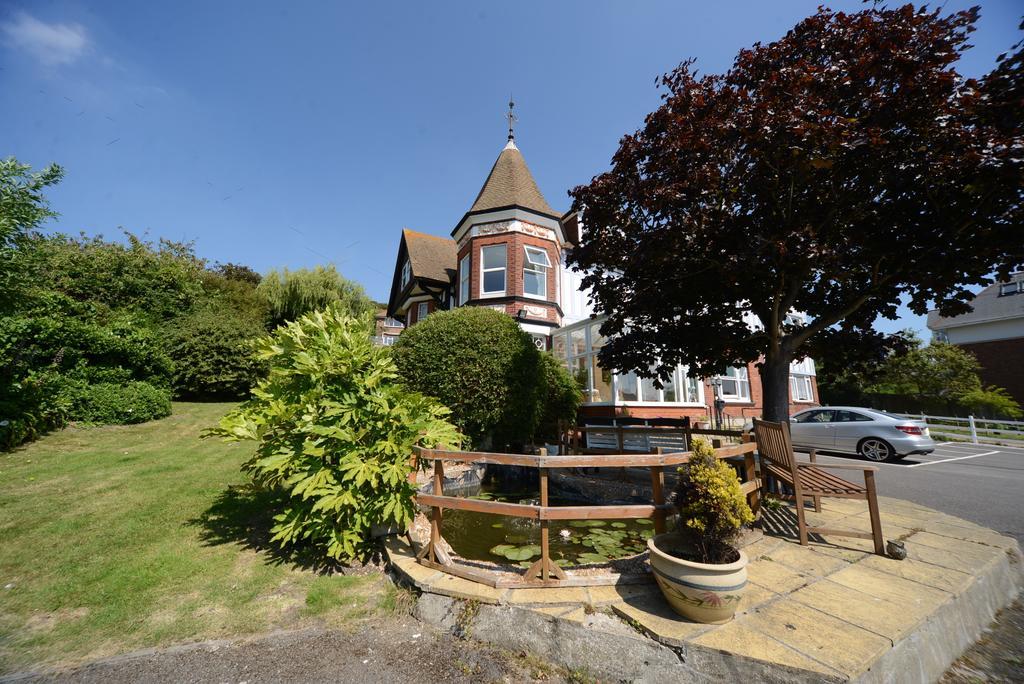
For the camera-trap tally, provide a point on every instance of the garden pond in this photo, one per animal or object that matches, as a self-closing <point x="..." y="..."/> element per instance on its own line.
<point x="516" y="541"/>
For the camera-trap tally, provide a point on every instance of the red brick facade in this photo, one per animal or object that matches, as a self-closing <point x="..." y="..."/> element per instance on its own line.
<point x="514" y="298"/>
<point x="1002" y="364"/>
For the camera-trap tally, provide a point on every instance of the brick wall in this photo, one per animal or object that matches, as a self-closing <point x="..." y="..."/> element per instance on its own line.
<point x="1002" y="364"/>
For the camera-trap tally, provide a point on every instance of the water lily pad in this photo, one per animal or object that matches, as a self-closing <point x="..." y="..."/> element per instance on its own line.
<point x="586" y="523"/>
<point x="618" y="524"/>
<point x="644" y="521"/>
<point x="500" y="549"/>
<point x="591" y="558"/>
<point x="521" y="553"/>
<point x="497" y="525"/>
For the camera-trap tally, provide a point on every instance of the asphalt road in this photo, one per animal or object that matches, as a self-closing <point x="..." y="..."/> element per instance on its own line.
<point x="978" y="482"/>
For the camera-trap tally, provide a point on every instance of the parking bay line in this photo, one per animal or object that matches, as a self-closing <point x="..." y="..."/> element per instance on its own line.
<point x="950" y="460"/>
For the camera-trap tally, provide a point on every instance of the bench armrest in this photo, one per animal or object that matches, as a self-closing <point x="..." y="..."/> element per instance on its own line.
<point x="839" y="466"/>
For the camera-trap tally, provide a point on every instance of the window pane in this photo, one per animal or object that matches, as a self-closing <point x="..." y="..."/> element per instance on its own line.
<point x="537" y="257"/>
<point x="579" y="373"/>
<point x="648" y="392"/>
<point x="558" y="346"/>
<point x="535" y="283"/>
<point x="692" y="391"/>
<point x="669" y="390"/>
<point x="494" y="256"/>
<point x="602" y="382"/>
<point x="494" y="281"/>
<point x="577" y="342"/>
<point x="627" y="386"/>
<point x="730" y="388"/>
<point x="596" y="339"/>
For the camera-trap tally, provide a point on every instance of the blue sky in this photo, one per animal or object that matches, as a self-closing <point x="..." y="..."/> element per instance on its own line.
<point x="292" y="134"/>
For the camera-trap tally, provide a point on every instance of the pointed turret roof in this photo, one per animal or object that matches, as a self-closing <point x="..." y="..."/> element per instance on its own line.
<point x="509" y="184"/>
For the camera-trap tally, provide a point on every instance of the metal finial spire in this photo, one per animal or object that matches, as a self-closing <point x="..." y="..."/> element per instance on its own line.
<point x="512" y="118"/>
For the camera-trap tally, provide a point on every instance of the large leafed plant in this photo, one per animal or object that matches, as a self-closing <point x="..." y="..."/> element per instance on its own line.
<point x="335" y="432"/>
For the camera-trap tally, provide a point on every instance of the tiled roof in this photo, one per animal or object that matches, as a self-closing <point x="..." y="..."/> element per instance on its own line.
<point x="432" y="257"/>
<point x="988" y="306"/>
<point x="511" y="183"/>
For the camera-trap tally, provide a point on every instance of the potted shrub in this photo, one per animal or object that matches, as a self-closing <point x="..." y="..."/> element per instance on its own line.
<point x="700" y="572"/>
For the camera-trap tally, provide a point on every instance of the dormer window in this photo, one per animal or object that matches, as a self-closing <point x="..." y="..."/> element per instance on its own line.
<point x="406" y="273"/>
<point x="492" y="271"/>
<point x="535" y="273"/>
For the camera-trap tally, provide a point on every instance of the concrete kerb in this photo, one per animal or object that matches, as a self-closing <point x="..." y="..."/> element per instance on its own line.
<point x="589" y="630"/>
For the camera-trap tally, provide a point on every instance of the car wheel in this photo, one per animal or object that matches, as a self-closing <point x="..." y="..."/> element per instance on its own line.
<point x="875" y="449"/>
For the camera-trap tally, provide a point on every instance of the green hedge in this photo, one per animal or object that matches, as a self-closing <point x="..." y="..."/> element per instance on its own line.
<point x="213" y="356"/>
<point x="108" y="403"/>
<point x="479" y="363"/>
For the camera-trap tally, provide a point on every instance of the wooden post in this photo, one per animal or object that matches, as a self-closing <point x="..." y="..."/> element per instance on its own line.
<point x="658" y="494"/>
<point x="876" y="521"/>
<point x="435" y="517"/>
<point x="620" y="438"/>
<point x="545" y="554"/>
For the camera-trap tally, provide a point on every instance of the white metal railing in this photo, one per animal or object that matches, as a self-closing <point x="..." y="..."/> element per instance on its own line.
<point x="979" y="430"/>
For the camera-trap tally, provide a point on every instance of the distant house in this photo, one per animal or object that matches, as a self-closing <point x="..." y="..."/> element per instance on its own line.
<point x="508" y="252"/>
<point x="993" y="332"/>
<point x="386" y="329"/>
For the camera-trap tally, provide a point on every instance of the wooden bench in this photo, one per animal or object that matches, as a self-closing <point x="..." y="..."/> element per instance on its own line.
<point x="810" y="480"/>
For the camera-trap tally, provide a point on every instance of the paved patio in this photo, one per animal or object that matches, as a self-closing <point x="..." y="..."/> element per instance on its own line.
<point x="829" y="611"/>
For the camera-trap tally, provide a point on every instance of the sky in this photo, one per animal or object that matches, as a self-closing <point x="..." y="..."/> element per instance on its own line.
<point x="293" y="134"/>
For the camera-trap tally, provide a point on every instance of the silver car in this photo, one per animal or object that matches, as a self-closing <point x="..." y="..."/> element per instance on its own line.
<point x="875" y="435"/>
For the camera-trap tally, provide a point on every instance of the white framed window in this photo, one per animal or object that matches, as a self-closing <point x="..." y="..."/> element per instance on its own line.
<point x="1011" y="288"/>
<point x="464" y="266"/>
<point x="492" y="270"/>
<point x="406" y="273"/>
<point x="390" y="322"/>
<point x="422" y="309"/>
<point x="535" y="272"/>
<point x="735" y="384"/>
<point x="800" y="388"/>
<point x="388" y="340"/>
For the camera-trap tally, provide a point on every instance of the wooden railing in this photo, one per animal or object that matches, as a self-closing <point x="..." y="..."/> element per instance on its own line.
<point x="544" y="572"/>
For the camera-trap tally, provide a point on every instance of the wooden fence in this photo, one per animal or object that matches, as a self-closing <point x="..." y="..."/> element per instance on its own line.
<point x="544" y="572"/>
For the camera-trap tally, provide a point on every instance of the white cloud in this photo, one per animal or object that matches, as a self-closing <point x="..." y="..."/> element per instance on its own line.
<point x="51" y="44"/>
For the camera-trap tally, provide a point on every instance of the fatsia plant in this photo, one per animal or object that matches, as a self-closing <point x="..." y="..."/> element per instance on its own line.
<point x="335" y="432"/>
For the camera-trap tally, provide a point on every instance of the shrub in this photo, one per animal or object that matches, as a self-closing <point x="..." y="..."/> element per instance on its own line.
<point x="991" y="402"/>
<point x="712" y="508"/>
<point x="213" y="356"/>
<point x="562" y="399"/>
<point x="107" y="403"/>
<point x="290" y="294"/>
<point x="335" y="432"/>
<point x="479" y="363"/>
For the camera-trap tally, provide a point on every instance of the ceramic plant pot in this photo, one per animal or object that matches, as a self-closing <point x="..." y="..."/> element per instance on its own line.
<point x="701" y="592"/>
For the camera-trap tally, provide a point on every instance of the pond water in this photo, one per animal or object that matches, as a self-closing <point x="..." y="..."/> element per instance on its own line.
<point x="506" y="539"/>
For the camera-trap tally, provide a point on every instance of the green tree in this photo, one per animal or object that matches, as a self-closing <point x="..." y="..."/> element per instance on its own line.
<point x="934" y="371"/>
<point x="335" y="432"/>
<point x="562" y="399"/>
<point x="290" y="294"/>
<point x="483" y="366"/>
<point x="23" y="208"/>
<point x="833" y="172"/>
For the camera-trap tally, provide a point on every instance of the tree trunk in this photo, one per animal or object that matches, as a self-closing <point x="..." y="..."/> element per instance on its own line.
<point x="775" y="388"/>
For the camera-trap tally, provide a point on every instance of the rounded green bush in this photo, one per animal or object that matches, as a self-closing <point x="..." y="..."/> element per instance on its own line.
<point x="107" y="403"/>
<point x="480" y="364"/>
<point x="562" y="399"/>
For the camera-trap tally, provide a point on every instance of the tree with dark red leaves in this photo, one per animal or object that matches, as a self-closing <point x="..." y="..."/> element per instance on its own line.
<point x="834" y="172"/>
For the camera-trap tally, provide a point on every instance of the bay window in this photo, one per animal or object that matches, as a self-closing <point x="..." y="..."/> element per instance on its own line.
<point x="492" y="270"/>
<point x="535" y="272"/>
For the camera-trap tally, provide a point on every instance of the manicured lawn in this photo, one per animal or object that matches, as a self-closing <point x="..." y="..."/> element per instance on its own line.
<point x="118" y="538"/>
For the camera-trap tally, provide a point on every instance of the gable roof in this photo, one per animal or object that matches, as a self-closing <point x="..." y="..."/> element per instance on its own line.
<point x="432" y="257"/>
<point x="988" y="306"/>
<point x="510" y="183"/>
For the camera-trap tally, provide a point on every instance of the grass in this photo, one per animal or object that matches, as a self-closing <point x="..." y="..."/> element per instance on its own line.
<point x="119" y="538"/>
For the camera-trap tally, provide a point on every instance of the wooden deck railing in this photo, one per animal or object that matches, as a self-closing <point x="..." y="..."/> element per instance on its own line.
<point x="544" y="572"/>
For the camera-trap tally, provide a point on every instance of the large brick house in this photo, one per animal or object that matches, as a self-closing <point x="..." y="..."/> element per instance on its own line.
<point x="993" y="331"/>
<point x="508" y="253"/>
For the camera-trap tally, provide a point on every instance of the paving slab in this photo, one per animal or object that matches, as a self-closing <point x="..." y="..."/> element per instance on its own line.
<point x="828" y="611"/>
